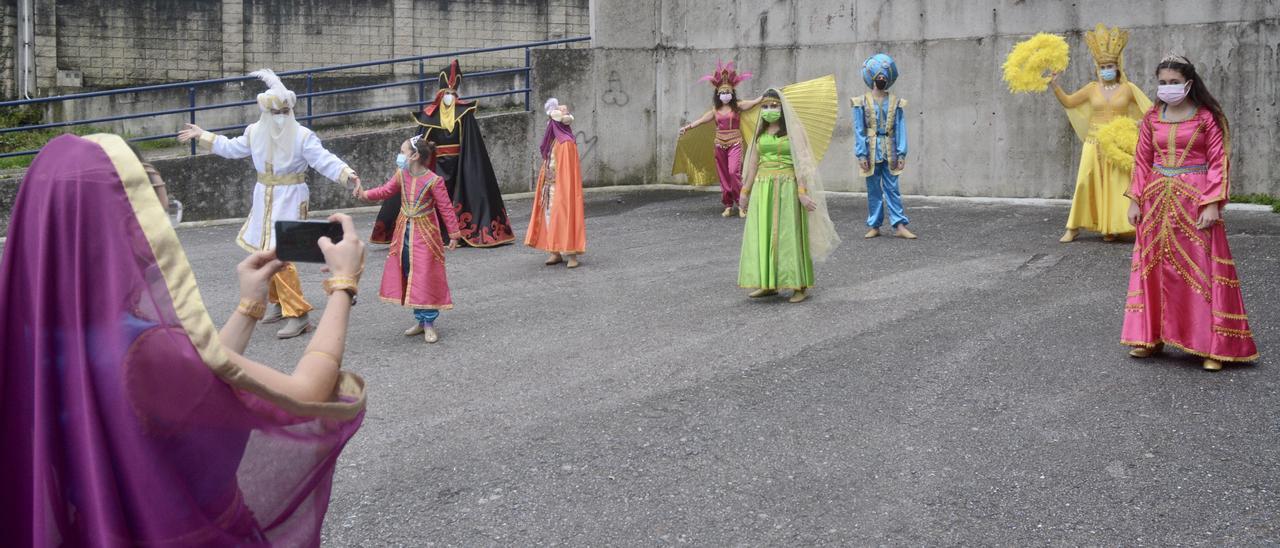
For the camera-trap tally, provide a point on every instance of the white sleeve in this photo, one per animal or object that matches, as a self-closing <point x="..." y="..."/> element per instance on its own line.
<point x="323" y="161"/>
<point x="227" y="148"/>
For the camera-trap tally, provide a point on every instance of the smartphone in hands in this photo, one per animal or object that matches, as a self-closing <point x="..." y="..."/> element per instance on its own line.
<point x="299" y="241"/>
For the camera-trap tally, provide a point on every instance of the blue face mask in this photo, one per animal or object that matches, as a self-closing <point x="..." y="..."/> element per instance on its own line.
<point x="1107" y="75"/>
<point x="401" y="161"/>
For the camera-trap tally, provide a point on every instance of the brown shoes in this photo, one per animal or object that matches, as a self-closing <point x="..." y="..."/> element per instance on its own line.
<point x="902" y="232"/>
<point x="872" y="233"/>
<point x="799" y="296"/>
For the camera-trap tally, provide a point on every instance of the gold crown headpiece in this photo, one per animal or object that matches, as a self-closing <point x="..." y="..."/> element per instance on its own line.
<point x="770" y="102"/>
<point x="1105" y="44"/>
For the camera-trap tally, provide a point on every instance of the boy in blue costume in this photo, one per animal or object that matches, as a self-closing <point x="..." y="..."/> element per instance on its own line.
<point x="880" y="143"/>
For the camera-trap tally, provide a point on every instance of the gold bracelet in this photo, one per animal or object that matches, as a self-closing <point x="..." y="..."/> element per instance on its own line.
<point x="804" y="191"/>
<point x="251" y="308"/>
<point x="350" y="285"/>
<point x="331" y="357"/>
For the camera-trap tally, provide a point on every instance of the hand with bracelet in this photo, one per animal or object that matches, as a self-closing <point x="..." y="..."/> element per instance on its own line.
<point x="315" y="376"/>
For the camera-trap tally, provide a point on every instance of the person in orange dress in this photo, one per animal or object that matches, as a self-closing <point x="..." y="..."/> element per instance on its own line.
<point x="558" y="225"/>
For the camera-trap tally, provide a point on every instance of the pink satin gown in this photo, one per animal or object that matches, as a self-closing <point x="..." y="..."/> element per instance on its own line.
<point x="1183" y="288"/>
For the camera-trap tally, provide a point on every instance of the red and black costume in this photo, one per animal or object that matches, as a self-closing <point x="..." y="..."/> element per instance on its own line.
<point x="463" y="161"/>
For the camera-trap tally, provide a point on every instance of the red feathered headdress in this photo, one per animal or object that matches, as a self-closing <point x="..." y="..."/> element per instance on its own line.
<point x="726" y="76"/>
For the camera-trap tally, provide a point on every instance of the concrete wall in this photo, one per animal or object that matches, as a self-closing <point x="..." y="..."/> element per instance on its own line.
<point x="116" y="43"/>
<point x="211" y="187"/>
<point x="8" y="47"/>
<point x="968" y="134"/>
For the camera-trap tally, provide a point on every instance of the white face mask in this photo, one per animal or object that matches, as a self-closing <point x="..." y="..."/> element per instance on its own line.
<point x="448" y="99"/>
<point x="726" y="97"/>
<point x="279" y="119"/>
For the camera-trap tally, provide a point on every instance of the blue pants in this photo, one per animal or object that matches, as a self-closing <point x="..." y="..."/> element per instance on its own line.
<point x="425" y="316"/>
<point x="882" y="192"/>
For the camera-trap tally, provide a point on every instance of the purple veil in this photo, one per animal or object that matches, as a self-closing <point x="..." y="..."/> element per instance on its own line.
<point x="556" y="132"/>
<point x="122" y="420"/>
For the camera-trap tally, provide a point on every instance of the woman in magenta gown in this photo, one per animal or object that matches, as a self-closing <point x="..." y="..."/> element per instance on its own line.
<point x="1183" y="287"/>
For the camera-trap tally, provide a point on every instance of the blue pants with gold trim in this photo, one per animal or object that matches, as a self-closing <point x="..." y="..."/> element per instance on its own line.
<point x="882" y="193"/>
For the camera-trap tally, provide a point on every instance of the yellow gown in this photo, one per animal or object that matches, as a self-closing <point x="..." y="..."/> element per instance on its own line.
<point x="1099" y="204"/>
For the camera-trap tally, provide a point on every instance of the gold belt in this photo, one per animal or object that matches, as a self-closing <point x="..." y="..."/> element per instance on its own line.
<point x="728" y="137"/>
<point x="272" y="179"/>
<point x="417" y="213"/>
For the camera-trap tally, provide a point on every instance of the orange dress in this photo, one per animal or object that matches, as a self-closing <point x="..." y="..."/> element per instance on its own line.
<point x="558" y="224"/>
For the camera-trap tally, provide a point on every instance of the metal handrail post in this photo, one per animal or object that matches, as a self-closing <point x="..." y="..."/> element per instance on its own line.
<point x="422" y="83"/>
<point x="528" y="77"/>
<point x="191" y="104"/>
<point x="309" y="100"/>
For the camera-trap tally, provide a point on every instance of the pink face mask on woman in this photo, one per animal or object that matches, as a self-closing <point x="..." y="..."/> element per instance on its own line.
<point x="1172" y="94"/>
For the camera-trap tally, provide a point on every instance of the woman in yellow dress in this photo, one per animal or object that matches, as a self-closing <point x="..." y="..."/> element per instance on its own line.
<point x="1099" y="204"/>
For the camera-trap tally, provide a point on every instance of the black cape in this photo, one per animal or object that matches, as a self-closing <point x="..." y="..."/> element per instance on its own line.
<point x="469" y="177"/>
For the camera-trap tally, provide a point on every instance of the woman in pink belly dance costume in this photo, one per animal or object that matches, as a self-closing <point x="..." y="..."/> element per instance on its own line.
<point x="1183" y="289"/>
<point x="728" y="140"/>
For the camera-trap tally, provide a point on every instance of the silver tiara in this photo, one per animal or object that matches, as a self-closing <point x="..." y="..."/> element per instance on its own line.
<point x="413" y="141"/>
<point x="1173" y="57"/>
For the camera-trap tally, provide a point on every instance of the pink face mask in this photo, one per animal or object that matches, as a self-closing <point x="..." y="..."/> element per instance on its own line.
<point x="1172" y="94"/>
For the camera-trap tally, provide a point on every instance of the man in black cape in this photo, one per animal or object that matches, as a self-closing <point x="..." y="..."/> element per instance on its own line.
<point x="463" y="161"/>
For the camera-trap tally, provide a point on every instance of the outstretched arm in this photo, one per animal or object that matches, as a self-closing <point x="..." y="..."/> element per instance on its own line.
<point x="325" y="162"/>
<point x="704" y="119"/>
<point x="1075" y="99"/>
<point x="750" y="103"/>
<point x="387" y="190"/>
<point x="227" y="148"/>
<point x="316" y="375"/>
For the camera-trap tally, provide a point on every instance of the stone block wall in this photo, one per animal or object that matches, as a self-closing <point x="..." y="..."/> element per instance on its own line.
<point x="120" y="43"/>
<point x="113" y="43"/>
<point x="8" y="48"/>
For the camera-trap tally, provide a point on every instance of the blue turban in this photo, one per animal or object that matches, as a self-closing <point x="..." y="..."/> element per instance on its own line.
<point x="876" y="65"/>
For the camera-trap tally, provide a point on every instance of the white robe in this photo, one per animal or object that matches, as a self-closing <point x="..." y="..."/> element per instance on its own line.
<point x="283" y="201"/>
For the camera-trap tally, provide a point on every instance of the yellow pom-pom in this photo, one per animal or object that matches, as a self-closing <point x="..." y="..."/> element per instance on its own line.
<point x="1024" y="69"/>
<point x="1118" y="140"/>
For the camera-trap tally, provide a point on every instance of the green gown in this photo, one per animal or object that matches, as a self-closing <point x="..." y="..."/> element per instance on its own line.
<point x="775" y="243"/>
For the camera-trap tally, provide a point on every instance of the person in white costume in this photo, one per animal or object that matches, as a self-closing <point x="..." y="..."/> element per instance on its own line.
<point x="281" y="150"/>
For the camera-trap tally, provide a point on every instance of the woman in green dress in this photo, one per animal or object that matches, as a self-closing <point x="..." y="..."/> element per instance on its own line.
<point x="787" y="227"/>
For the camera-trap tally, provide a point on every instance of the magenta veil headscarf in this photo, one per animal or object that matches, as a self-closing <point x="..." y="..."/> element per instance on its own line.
<point x="122" y="421"/>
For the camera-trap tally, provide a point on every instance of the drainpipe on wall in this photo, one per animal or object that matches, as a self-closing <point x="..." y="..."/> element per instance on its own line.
<point x="26" y="46"/>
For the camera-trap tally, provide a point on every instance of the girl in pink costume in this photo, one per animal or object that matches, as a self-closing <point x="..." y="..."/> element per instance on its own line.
<point x="1183" y="289"/>
<point x="414" y="275"/>
<point x="728" y="139"/>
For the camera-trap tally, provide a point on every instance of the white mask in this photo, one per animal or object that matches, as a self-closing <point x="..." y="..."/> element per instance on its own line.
<point x="279" y="119"/>
<point x="448" y="99"/>
<point x="726" y="97"/>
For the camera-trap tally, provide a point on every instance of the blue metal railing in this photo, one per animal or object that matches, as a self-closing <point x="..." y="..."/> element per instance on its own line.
<point x="193" y="105"/>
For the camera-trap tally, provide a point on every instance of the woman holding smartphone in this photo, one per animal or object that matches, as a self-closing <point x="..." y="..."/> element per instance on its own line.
<point x="126" y="416"/>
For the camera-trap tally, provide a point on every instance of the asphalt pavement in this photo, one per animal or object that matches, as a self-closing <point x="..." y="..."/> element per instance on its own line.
<point x="965" y="388"/>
